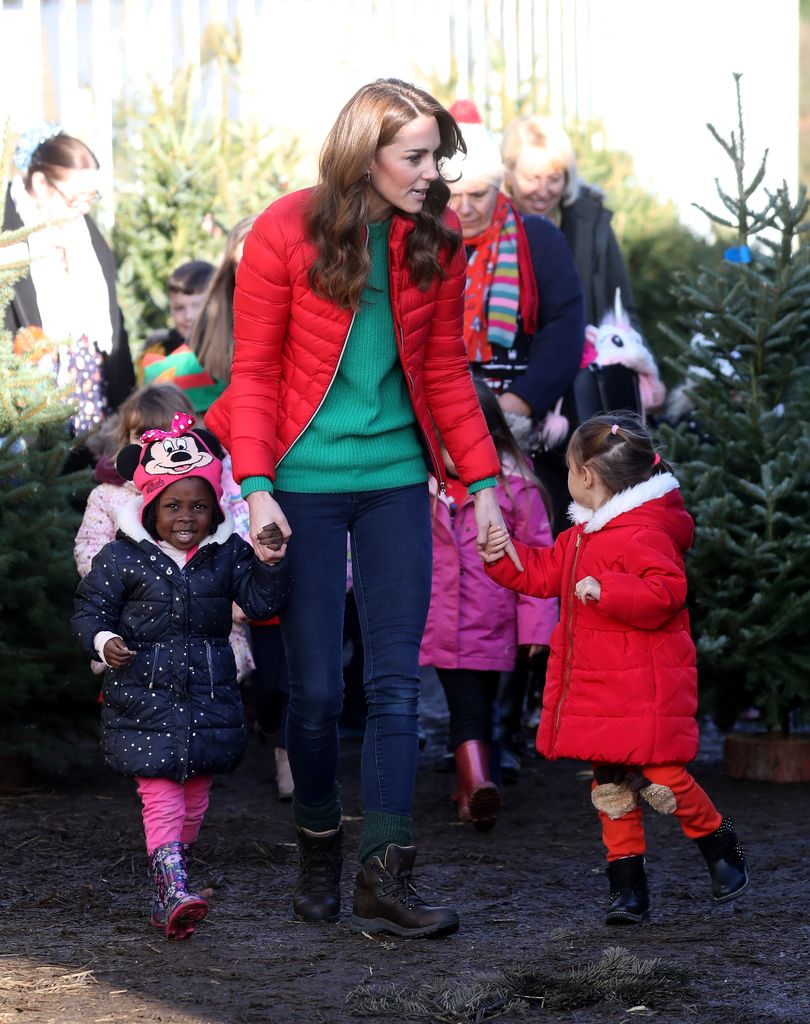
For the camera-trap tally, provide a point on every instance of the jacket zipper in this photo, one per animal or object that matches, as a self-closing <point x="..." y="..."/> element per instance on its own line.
<point x="331" y="382"/>
<point x="154" y="665"/>
<point x="325" y="396"/>
<point x="407" y="372"/>
<point x="564" y="694"/>
<point x="210" y="666"/>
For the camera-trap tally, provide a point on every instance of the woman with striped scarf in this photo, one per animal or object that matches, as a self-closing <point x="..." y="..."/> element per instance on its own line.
<point x="524" y="330"/>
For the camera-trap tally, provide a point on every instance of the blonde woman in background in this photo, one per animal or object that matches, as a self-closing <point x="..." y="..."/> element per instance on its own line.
<point x="540" y="174"/>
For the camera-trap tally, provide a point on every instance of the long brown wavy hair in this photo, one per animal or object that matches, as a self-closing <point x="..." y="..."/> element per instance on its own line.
<point x="212" y="333"/>
<point x="339" y="208"/>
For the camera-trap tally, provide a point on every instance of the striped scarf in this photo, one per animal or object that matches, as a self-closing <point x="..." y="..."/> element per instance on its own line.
<point x="501" y="285"/>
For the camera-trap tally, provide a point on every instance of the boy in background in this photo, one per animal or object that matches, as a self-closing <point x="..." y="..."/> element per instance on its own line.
<point x="186" y="289"/>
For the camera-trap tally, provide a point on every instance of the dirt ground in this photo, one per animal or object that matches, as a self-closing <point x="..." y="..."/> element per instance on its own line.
<point x="76" y="946"/>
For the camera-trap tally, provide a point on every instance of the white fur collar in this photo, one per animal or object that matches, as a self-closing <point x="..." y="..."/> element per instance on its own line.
<point x="129" y="520"/>
<point x="656" y="487"/>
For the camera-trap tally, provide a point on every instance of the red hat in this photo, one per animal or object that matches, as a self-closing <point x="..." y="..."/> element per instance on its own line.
<point x="165" y="456"/>
<point x="466" y="112"/>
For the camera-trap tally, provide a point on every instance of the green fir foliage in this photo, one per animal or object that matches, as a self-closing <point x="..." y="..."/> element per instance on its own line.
<point x="654" y="242"/>
<point x="45" y="685"/>
<point x="183" y="181"/>
<point x="744" y="452"/>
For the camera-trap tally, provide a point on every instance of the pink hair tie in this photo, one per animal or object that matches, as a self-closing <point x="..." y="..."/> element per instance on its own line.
<point x="615" y="428"/>
<point x="656" y="459"/>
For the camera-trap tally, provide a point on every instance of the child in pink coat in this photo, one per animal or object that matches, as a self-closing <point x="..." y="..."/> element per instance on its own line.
<point x="474" y="627"/>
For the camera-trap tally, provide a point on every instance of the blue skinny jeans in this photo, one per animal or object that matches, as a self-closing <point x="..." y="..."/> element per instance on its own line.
<point x="391" y="546"/>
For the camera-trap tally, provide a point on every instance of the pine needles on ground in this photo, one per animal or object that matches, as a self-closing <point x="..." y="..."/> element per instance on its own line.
<point x="617" y="977"/>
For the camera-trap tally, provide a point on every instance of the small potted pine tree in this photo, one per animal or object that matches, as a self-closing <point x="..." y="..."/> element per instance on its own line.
<point x="744" y="455"/>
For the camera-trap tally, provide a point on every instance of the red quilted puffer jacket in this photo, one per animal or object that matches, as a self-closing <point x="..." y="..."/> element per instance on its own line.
<point x="289" y="342"/>
<point x="621" y="685"/>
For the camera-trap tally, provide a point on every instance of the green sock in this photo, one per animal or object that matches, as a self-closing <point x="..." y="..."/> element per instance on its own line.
<point x="323" y="818"/>
<point x="381" y="829"/>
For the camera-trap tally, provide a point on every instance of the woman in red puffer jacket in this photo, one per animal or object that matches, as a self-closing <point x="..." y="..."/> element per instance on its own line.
<point x="621" y="689"/>
<point x="348" y="357"/>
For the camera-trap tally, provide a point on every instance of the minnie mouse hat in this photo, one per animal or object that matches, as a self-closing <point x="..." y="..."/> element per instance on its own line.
<point x="165" y="456"/>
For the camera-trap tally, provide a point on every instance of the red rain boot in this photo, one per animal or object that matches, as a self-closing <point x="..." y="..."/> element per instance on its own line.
<point x="476" y="794"/>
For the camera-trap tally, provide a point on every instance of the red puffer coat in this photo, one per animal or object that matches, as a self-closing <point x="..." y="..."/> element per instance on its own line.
<point x="289" y="342"/>
<point x="621" y="685"/>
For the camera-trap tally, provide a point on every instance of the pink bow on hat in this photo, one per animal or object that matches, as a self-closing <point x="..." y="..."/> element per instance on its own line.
<point x="182" y="422"/>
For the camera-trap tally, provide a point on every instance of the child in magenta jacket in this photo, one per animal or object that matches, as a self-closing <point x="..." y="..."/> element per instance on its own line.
<point x="621" y="689"/>
<point x="474" y="627"/>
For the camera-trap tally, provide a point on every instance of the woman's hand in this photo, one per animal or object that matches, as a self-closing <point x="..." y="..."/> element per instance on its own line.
<point x="514" y="403"/>
<point x="116" y="653"/>
<point x="265" y="513"/>
<point x="588" y="589"/>
<point x="238" y="616"/>
<point x="487" y="514"/>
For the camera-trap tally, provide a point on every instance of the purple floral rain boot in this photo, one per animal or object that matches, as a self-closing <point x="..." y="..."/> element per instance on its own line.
<point x="158" y="918"/>
<point x="181" y="909"/>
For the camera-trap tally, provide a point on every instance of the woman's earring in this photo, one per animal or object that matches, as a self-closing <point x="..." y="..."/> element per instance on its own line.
<point x="368" y="175"/>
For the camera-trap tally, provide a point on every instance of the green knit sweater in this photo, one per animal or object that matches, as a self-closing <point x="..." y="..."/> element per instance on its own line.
<point x="365" y="436"/>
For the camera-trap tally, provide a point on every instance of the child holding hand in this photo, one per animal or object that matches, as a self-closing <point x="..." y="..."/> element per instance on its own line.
<point x="155" y="607"/>
<point x="474" y="627"/>
<point x="621" y="689"/>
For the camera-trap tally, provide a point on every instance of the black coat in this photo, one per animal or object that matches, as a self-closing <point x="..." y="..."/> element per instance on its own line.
<point x="176" y="710"/>
<point x="601" y="268"/>
<point x="23" y="311"/>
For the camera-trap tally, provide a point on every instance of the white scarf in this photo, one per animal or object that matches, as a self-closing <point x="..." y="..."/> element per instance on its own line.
<point x="73" y="301"/>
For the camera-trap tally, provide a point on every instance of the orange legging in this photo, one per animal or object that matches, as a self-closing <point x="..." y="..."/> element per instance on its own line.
<point x="624" y="837"/>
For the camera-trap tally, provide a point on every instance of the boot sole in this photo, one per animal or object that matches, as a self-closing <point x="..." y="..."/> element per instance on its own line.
<point x="375" y="925"/>
<point x="331" y="919"/>
<point x="484" y="805"/>
<point x="182" y="923"/>
<point x="620" y="918"/>
<point x="733" y="895"/>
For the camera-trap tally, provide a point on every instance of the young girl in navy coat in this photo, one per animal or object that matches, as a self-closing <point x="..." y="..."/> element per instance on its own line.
<point x="156" y="608"/>
<point x="621" y="688"/>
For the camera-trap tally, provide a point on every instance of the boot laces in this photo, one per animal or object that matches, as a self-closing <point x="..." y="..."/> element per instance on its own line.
<point x="401" y="890"/>
<point x="321" y="867"/>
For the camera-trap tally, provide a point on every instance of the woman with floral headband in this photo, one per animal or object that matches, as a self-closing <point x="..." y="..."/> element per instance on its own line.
<point x="65" y="312"/>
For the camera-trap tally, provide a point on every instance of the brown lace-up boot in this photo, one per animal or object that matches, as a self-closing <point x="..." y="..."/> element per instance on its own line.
<point x="386" y="901"/>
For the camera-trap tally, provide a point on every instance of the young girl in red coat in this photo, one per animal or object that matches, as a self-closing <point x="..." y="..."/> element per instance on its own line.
<point x="474" y="627"/>
<point x="621" y="689"/>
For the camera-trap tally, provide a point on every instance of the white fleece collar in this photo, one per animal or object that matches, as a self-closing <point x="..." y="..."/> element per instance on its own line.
<point x="129" y="520"/>
<point x="624" y="501"/>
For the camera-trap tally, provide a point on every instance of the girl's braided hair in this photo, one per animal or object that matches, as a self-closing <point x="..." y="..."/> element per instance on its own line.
<point x="619" y="449"/>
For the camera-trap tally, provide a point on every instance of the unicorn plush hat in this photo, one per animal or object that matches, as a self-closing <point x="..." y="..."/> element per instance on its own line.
<point x="614" y="342"/>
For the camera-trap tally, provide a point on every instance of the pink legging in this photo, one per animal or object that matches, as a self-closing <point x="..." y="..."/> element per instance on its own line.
<point x="624" y="837"/>
<point x="173" y="811"/>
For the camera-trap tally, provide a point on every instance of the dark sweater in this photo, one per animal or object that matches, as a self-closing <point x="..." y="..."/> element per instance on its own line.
<point x="542" y="366"/>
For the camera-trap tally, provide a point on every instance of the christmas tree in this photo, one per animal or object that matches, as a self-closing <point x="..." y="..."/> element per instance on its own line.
<point x="188" y="179"/>
<point x="45" y="686"/>
<point x="744" y="452"/>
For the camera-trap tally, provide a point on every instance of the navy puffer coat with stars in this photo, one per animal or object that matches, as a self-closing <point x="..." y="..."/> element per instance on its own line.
<point x="175" y="711"/>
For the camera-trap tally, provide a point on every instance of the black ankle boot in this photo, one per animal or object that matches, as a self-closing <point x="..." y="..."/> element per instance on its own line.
<point x="317" y="894"/>
<point x="725" y="858"/>
<point x="629" y="897"/>
<point x="386" y="901"/>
